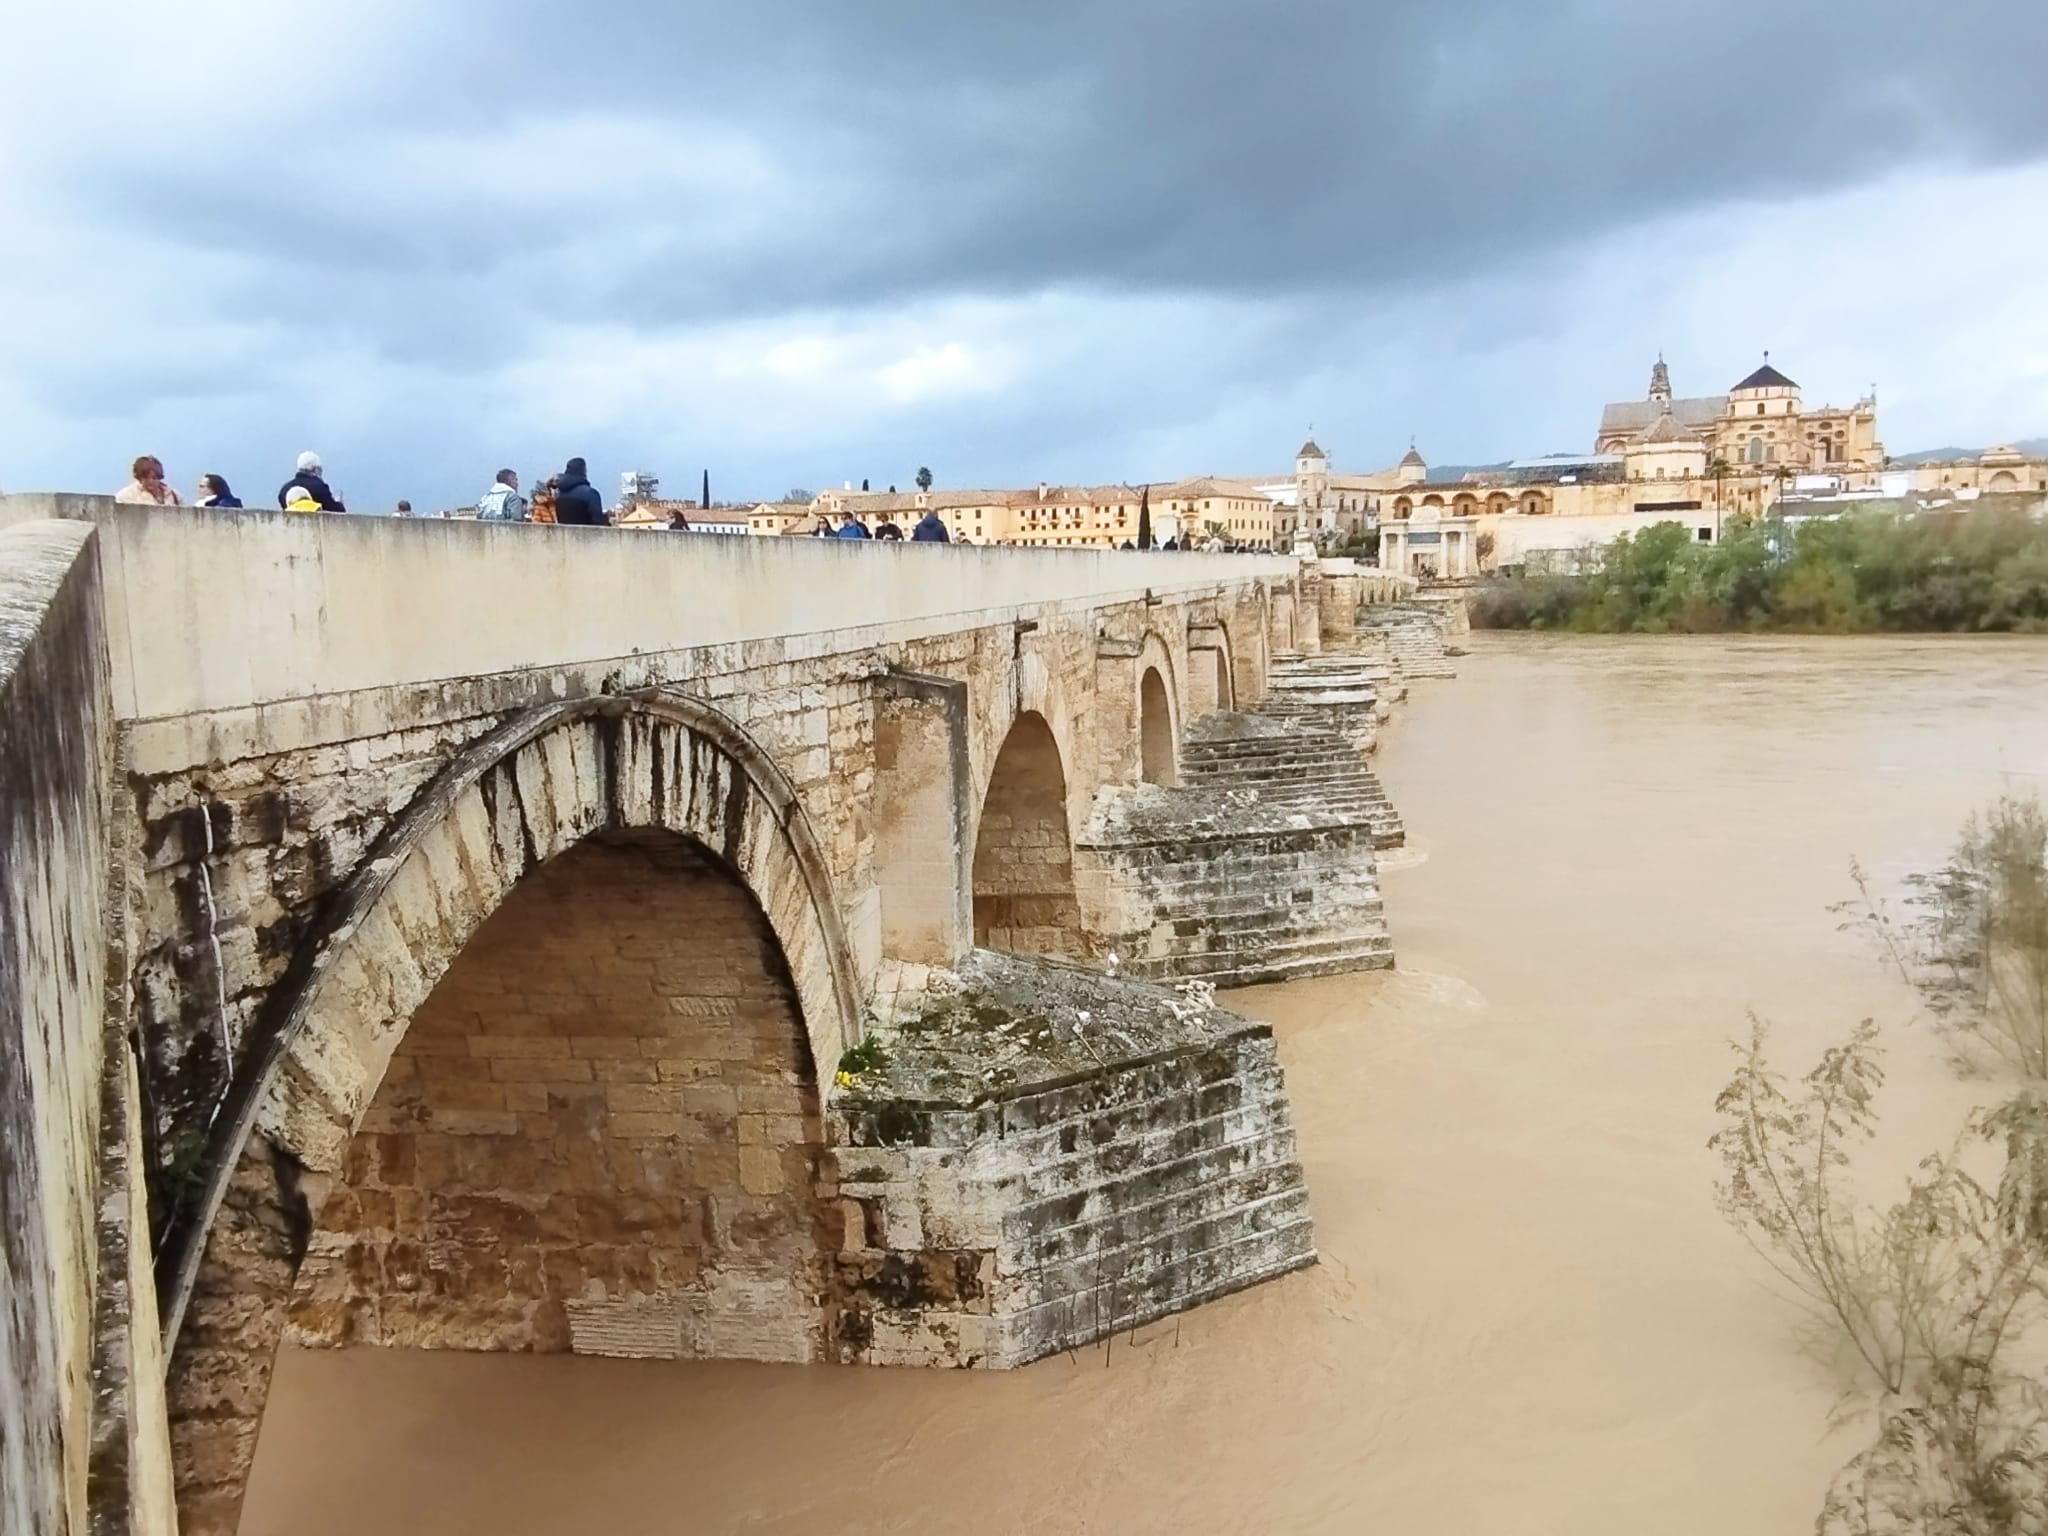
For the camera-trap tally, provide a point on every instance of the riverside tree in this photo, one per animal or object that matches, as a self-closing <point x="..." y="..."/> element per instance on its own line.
<point x="1984" y="569"/>
<point x="1938" y="1296"/>
<point x="1941" y="1297"/>
<point x="1974" y="940"/>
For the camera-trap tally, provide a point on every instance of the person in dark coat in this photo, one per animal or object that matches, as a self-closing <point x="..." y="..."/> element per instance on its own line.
<point x="930" y="529"/>
<point x="308" y="482"/>
<point x="887" y="529"/>
<point x="576" y="499"/>
<point x="214" y="492"/>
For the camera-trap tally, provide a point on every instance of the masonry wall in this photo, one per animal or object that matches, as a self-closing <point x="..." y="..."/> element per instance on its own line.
<point x="996" y="1235"/>
<point x="599" y="1134"/>
<point x="56" y="761"/>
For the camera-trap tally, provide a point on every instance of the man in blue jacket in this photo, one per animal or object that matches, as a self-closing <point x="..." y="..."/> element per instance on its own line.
<point x="576" y="499"/>
<point x="309" y="486"/>
<point x="850" y="527"/>
<point x="930" y="529"/>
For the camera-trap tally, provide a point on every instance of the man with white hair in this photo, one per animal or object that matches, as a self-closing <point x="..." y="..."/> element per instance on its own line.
<point x="306" y="491"/>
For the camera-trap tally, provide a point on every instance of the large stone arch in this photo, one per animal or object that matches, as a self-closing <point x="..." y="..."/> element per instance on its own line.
<point x="527" y="792"/>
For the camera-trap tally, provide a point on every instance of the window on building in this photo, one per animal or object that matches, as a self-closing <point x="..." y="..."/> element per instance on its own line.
<point x="1759" y="408"/>
<point x="1755" y="452"/>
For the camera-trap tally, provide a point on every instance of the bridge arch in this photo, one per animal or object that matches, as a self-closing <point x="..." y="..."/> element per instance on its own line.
<point x="1159" y="711"/>
<point x="1211" y="676"/>
<point x="1025" y="899"/>
<point x="1244" y="632"/>
<point x="652" y="776"/>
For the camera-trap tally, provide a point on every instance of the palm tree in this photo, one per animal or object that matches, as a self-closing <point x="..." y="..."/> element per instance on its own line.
<point x="924" y="478"/>
<point x="1719" y="470"/>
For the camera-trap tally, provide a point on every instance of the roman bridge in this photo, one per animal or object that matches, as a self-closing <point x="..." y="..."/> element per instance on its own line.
<point x="460" y="935"/>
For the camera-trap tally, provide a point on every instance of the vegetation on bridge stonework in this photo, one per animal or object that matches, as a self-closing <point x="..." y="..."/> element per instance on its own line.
<point x="1985" y="569"/>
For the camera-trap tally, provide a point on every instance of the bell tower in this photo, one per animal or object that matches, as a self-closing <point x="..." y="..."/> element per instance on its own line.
<point x="1660" y="382"/>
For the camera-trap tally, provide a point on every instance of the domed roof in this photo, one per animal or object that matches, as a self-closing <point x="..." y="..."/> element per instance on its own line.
<point x="1668" y="429"/>
<point x="1412" y="460"/>
<point x="1309" y="450"/>
<point x="1765" y="377"/>
<point x="2004" y="453"/>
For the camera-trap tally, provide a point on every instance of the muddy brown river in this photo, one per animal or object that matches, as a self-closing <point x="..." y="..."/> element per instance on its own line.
<point x="1528" y="1318"/>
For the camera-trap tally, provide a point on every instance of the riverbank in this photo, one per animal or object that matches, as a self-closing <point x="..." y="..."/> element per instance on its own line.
<point x="1978" y="571"/>
<point x="1528" y="1318"/>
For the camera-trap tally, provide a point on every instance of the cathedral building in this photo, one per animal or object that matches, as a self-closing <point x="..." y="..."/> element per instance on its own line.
<point x="1758" y="425"/>
<point x="1688" y="459"/>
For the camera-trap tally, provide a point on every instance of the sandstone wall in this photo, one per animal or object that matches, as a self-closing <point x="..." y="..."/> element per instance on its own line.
<point x="1024" y="894"/>
<point x="270" y="607"/>
<point x="599" y="1133"/>
<point x="1046" y="1219"/>
<point x="65" y="1219"/>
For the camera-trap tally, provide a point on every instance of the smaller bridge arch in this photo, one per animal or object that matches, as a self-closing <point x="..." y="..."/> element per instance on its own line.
<point x="1024" y="893"/>
<point x="1211" y="681"/>
<point x="1159" y="711"/>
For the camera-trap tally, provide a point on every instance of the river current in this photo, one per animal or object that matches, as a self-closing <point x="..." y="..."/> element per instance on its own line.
<point x="1529" y="1318"/>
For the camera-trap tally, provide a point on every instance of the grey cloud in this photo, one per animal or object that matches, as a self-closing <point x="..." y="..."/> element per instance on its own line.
<point x="1220" y="148"/>
<point x="426" y="190"/>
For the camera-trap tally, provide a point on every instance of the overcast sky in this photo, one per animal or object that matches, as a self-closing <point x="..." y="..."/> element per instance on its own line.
<point x="802" y="241"/>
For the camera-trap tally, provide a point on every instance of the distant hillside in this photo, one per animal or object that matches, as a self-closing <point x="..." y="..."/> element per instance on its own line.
<point x="2033" y="447"/>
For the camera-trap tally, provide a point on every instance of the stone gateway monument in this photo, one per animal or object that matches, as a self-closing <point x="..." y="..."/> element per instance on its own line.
<point x="477" y="936"/>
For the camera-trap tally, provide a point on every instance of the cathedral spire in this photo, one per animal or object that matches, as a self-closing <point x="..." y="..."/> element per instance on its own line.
<point x="1660" y="380"/>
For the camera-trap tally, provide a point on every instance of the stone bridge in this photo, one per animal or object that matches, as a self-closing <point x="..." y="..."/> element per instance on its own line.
<point x="458" y="935"/>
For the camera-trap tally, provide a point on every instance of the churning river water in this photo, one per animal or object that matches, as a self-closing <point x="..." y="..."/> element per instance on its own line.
<point x="1529" y="1317"/>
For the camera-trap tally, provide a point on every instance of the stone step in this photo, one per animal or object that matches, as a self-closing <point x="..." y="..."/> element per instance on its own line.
<point x="1194" y="1152"/>
<point x="1241" y="915"/>
<point x="1335" y="759"/>
<point x="1140" y="1259"/>
<point x="1066" y="1322"/>
<point x="1257" y="970"/>
<point x="1196" y="899"/>
<point x="1362" y="951"/>
<point x="1279" y="782"/>
<point x="1105" y="1216"/>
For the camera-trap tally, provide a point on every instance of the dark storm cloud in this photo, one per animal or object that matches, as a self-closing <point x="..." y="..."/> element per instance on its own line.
<point x="1159" y="236"/>
<point x="1232" y="149"/>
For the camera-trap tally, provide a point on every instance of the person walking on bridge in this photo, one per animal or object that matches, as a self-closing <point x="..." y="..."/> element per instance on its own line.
<point x="930" y="529"/>
<point x="576" y="499"/>
<point x="306" y="491"/>
<point x="851" y="527"/>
